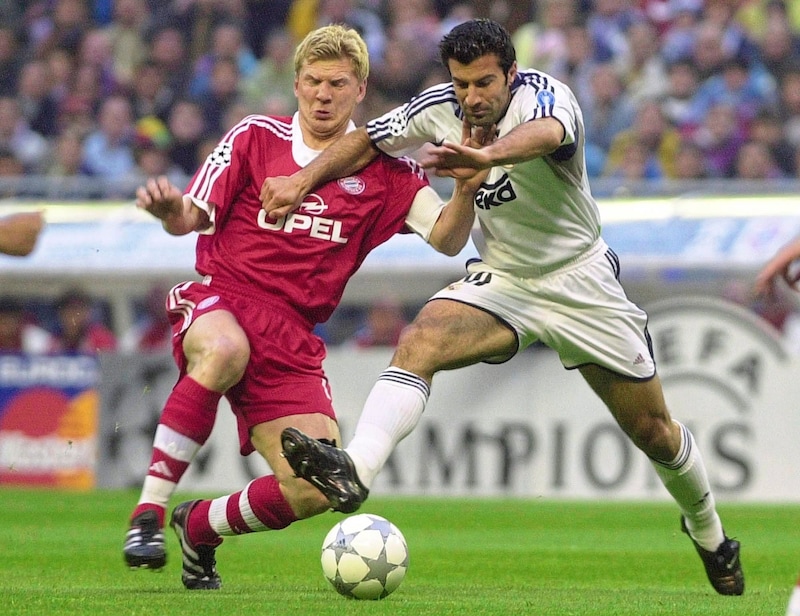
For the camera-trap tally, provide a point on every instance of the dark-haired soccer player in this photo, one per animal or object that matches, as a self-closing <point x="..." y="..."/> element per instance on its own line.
<point x="245" y="331"/>
<point x="545" y="274"/>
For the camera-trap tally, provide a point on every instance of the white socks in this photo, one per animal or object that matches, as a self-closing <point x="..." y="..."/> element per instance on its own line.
<point x="392" y="410"/>
<point x="686" y="479"/>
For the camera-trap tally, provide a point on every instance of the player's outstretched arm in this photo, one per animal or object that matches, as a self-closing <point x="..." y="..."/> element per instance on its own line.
<point x="281" y="195"/>
<point x="166" y="202"/>
<point x="780" y="266"/>
<point x="19" y="233"/>
<point x="452" y="230"/>
<point x="525" y="142"/>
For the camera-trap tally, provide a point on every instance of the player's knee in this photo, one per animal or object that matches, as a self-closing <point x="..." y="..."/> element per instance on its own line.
<point x="654" y="436"/>
<point x="228" y="356"/>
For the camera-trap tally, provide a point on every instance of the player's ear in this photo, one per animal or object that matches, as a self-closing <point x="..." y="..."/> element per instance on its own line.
<point x="512" y="73"/>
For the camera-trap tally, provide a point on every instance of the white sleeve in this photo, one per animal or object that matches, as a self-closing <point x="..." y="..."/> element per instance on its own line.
<point x="210" y="209"/>
<point x="548" y="98"/>
<point x="424" y="212"/>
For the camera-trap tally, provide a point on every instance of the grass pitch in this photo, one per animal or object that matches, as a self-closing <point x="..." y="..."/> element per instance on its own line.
<point x="60" y="553"/>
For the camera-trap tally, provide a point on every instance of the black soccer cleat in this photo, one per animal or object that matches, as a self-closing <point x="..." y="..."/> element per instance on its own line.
<point x="144" y="543"/>
<point x="326" y="467"/>
<point x="199" y="566"/>
<point x="723" y="567"/>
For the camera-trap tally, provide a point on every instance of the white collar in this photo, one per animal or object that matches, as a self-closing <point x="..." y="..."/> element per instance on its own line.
<point x="301" y="153"/>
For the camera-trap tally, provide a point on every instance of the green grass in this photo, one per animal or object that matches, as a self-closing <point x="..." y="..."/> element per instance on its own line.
<point x="60" y="553"/>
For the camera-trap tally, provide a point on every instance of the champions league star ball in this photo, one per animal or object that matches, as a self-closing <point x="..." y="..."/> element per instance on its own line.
<point x="365" y="556"/>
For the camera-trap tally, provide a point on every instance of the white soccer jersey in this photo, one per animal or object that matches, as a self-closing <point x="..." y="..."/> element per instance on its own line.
<point x="534" y="215"/>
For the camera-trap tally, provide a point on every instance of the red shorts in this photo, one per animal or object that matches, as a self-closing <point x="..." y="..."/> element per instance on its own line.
<point x="284" y="375"/>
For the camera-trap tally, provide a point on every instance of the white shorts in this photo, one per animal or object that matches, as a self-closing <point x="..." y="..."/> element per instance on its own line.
<point x="579" y="310"/>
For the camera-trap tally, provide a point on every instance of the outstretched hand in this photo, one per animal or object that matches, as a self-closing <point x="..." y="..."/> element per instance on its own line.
<point x="160" y="198"/>
<point x="785" y="264"/>
<point x="461" y="160"/>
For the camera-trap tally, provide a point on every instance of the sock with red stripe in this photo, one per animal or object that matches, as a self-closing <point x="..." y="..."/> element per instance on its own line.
<point x="185" y="425"/>
<point x="259" y="507"/>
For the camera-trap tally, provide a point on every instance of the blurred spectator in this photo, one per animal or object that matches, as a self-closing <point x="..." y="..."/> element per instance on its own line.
<point x="790" y="106"/>
<point x="150" y="92"/>
<point x="85" y="95"/>
<point x="11" y="169"/>
<point x="227" y="44"/>
<point x="168" y="50"/>
<point x="748" y="89"/>
<point x="39" y="106"/>
<point x="78" y="328"/>
<point x="272" y="83"/>
<point x="578" y="65"/>
<point x="364" y="21"/>
<point x="382" y="325"/>
<point x="607" y="110"/>
<point x="61" y="66"/>
<point x="766" y="129"/>
<point x="61" y="26"/>
<point x="635" y="163"/>
<point x="651" y="132"/>
<point x="682" y="85"/>
<point x="406" y="61"/>
<point x="10" y="60"/>
<point x="264" y="17"/>
<point x="223" y="92"/>
<point x="188" y="129"/>
<point x="644" y="68"/>
<point x="779" y="48"/>
<point x="20" y="232"/>
<point x="608" y="23"/>
<point x="18" y="138"/>
<point x="754" y="161"/>
<point x="689" y="162"/>
<point x="151" y="146"/>
<point x="96" y="51"/>
<point x="67" y="160"/>
<point x="76" y="114"/>
<point x="719" y="138"/>
<point x="679" y="40"/>
<point x="151" y="333"/>
<point x="107" y="151"/>
<point x="709" y="53"/>
<point x="126" y="36"/>
<point x="18" y="331"/>
<point x="542" y="43"/>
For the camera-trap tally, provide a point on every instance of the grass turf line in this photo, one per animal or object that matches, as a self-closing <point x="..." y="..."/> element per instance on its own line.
<point x="60" y="553"/>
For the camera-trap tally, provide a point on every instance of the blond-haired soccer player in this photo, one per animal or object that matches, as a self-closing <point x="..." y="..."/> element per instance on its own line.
<point x="245" y="331"/>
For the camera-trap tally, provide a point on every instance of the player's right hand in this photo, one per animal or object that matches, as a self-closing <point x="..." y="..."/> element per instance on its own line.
<point x="160" y="197"/>
<point x="280" y="196"/>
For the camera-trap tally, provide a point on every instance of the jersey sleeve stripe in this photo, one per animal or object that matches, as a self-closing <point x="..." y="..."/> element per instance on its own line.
<point x="380" y="128"/>
<point x="200" y="188"/>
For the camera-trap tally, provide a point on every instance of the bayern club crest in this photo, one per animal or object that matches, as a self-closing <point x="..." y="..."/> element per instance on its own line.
<point x="352" y="185"/>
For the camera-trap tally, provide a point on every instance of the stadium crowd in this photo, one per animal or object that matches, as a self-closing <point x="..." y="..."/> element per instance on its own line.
<point x="119" y="90"/>
<point x="97" y="95"/>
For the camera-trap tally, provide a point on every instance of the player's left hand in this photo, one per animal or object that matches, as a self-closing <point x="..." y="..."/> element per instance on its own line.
<point x="461" y="160"/>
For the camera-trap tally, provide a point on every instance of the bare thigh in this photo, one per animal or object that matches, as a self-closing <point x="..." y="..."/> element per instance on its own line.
<point x="304" y="498"/>
<point x="639" y="408"/>
<point x="447" y="334"/>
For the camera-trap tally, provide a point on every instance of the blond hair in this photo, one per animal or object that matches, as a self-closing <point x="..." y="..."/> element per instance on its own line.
<point x="333" y="42"/>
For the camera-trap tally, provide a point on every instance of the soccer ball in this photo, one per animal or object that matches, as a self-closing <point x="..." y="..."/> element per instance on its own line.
<point x="365" y="556"/>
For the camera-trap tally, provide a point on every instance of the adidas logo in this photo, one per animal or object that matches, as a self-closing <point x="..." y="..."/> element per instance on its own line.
<point x="160" y="468"/>
<point x="639" y="360"/>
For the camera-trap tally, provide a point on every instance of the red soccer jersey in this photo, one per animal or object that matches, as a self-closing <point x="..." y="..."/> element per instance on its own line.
<point x="306" y="259"/>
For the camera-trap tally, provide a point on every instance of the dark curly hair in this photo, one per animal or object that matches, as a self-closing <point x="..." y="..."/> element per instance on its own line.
<point x="475" y="38"/>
